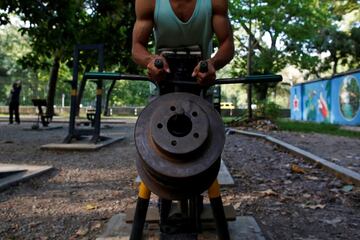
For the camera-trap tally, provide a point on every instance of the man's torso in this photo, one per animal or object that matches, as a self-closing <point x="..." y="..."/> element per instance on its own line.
<point x="182" y="23"/>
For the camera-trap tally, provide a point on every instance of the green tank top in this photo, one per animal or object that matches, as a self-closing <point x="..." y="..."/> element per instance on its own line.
<point x="171" y="32"/>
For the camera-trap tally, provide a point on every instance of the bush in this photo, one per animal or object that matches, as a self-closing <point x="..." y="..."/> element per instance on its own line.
<point x="267" y="109"/>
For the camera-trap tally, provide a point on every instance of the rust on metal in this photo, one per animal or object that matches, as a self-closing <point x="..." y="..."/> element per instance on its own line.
<point x="179" y="138"/>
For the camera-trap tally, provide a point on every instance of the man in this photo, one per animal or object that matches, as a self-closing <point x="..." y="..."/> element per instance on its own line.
<point x="181" y="23"/>
<point x="15" y="102"/>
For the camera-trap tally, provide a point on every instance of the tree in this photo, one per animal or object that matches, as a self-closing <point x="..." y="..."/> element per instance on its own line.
<point x="13" y="47"/>
<point x="52" y="30"/>
<point x="54" y="27"/>
<point x="283" y="34"/>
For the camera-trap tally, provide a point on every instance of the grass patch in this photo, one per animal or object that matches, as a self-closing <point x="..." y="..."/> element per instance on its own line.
<point x="227" y="120"/>
<point x="311" y="127"/>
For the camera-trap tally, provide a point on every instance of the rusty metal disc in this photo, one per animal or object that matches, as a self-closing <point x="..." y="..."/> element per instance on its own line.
<point x="179" y="138"/>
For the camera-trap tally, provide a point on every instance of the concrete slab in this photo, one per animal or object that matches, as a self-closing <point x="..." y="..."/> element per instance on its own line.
<point x="244" y="228"/>
<point x="351" y="128"/>
<point x="13" y="173"/>
<point x="41" y="128"/>
<point x="152" y="215"/>
<point x="224" y="177"/>
<point x="81" y="146"/>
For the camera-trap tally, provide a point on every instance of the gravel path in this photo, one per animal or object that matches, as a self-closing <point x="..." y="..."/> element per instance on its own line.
<point x="77" y="199"/>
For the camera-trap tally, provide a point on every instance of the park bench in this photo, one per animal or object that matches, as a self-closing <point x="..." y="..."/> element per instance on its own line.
<point x="45" y="118"/>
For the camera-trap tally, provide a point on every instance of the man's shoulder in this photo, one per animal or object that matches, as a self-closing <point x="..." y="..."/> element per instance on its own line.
<point x="219" y="5"/>
<point x="145" y="7"/>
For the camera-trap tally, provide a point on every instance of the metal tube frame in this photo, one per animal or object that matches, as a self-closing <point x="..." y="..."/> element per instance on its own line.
<point x="73" y="131"/>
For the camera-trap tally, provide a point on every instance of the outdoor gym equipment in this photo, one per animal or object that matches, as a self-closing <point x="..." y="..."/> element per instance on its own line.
<point x="179" y="138"/>
<point x="45" y="118"/>
<point x="94" y="131"/>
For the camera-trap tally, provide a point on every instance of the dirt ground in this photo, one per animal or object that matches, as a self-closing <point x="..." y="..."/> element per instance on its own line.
<point x="290" y="198"/>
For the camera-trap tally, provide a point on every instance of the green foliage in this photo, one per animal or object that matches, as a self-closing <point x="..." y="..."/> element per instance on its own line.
<point x="131" y="93"/>
<point x="284" y="33"/>
<point x="343" y="49"/>
<point x="267" y="109"/>
<point x="312" y="127"/>
<point x="54" y="27"/>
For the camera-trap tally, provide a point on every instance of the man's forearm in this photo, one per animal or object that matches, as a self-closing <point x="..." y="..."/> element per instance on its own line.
<point x="141" y="55"/>
<point x="224" y="54"/>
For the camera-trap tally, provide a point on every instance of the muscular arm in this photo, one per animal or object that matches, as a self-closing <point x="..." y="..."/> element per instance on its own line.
<point x="144" y="10"/>
<point x="142" y="29"/>
<point x="223" y="32"/>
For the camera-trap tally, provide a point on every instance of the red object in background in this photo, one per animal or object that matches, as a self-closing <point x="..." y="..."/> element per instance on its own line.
<point x="323" y="107"/>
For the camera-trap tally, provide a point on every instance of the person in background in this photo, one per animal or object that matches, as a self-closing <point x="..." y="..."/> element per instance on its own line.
<point x="14" y="102"/>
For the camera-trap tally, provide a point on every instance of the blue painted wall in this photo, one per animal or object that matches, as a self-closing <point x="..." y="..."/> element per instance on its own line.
<point x="335" y="100"/>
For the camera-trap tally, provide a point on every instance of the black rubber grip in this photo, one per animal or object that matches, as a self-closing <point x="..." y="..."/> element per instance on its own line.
<point x="203" y="66"/>
<point x="159" y="63"/>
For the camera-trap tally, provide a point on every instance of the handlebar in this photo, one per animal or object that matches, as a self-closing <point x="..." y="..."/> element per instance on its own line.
<point x="159" y="63"/>
<point x="203" y="66"/>
<point x="244" y="80"/>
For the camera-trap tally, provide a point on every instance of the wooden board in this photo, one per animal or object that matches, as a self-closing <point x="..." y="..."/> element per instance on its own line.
<point x="206" y="216"/>
<point x="243" y="228"/>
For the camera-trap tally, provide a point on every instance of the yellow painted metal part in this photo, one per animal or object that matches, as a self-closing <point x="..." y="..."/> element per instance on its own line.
<point x="214" y="190"/>
<point x="144" y="192"/>
<point x="73" y="92"/>
<point x="98" y="91"/>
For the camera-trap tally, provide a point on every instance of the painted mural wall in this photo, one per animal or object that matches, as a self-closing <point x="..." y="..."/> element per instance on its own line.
<point x="335" y="100"/>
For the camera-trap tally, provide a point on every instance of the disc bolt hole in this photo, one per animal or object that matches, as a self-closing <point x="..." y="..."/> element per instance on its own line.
<point x="160" y="126"/>
<point x="173" y="143"/>
<point x="196" y="135"/>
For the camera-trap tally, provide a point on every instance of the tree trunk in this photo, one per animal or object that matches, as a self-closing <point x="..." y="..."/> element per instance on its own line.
<point x="52" y="86"/>
<point x="336" y="60"/>
<point x="261" y="90"/>
<point x="106" y="110"/>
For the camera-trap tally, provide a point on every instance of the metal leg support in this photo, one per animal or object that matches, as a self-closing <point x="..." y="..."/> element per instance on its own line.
<point x="140" y="212"/>
<point x="218" y="211"/>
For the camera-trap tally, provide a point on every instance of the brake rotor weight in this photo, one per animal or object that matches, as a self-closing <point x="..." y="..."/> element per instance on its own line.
<point x="179" y="138"/>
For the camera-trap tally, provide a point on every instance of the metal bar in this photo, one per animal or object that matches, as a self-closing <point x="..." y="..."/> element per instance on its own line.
<point x="248" y="79"/>
<point x="73" y="96"/>
<point x="219" y="217"/>
<point x="139" y="218"/>
<point x="114" y="76"/>
<point x="99" y="85"/>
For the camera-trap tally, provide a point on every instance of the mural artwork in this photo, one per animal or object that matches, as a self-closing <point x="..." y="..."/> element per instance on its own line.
<point x="349" y="98"/>
<point x="334" y="100"/>
<point x="317" y="101"/>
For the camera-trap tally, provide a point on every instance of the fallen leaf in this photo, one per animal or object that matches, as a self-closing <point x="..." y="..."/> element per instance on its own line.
<point x="333" y="221"/>
<point x="317" y="206"/>
<point x="306" y="195"/>
<point x="82" y="231"/>
<point x="90" y="206"/>
<point x="95" y="226"/>
<point x="347" y="188"/>
<point x="287" y="182"/>
<point x="312" y="178"/>
<point x="296" y="169"/>
<point x="268" y="192"/>
<point x="237" y="205"/>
